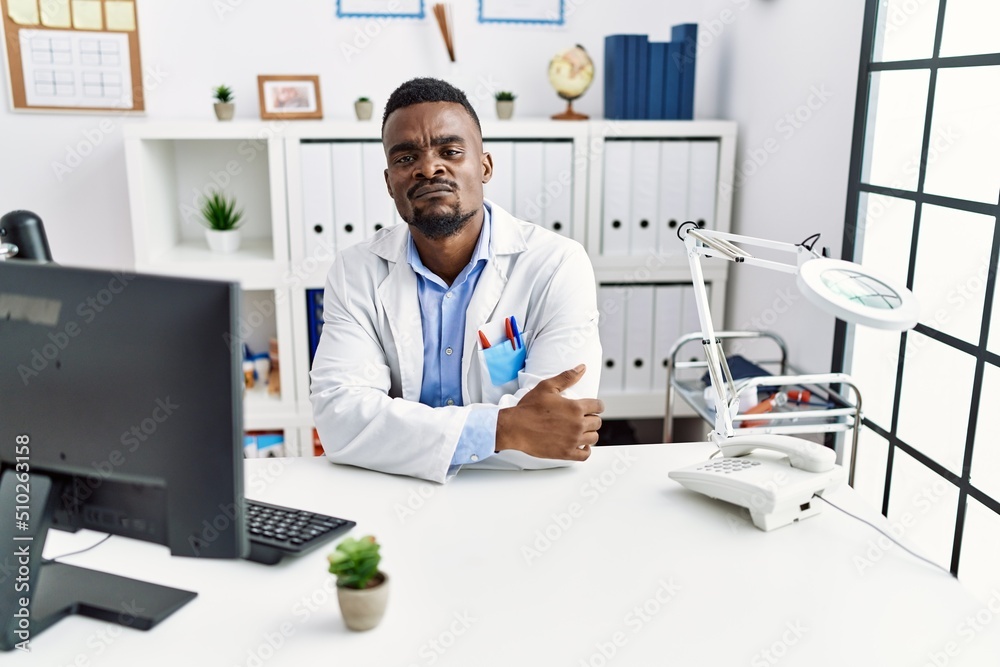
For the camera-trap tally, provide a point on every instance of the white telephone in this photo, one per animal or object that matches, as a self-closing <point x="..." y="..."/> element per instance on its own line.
<point x="776" y="490"/>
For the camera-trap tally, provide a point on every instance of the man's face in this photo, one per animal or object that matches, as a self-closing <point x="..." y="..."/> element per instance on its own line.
<point x="436" y="166"/>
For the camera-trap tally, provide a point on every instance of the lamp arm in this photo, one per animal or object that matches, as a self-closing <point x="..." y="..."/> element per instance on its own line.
<point x="718" y="368"/>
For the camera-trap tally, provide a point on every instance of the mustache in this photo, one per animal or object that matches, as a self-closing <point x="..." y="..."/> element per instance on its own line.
<point x="452" y="185"/>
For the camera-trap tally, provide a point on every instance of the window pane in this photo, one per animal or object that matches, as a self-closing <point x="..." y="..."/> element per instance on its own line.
<point x="993" y="342"/>
<point x="885" y="227"/>
<point x="896" y="108"/>
<point x="869" y="473"/>
<point x="873" y="366"/>
<point x="977" y="566"/>
<point x="924" y="505"/>
<point x="970" y="27"/>
<point x="934" y="400"/>
<point x="965" y="135"/>
<point x="985" y="473"/>
<point x="953" y="261"/>
<point x="905" y="30"/>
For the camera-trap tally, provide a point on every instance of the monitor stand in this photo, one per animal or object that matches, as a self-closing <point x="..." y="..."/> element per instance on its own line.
<point x="54" y="590"/>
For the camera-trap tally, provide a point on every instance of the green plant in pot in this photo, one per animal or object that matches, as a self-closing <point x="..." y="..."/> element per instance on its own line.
<point x="224" y="105"/>
<point x="363" y="108"/>
<point x="222" y="220"/>
<point x="505" y="104"/>
<point x="362" y="589"/>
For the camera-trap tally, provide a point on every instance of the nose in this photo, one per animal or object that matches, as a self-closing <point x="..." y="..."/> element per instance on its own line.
<point x="428" y="165"/>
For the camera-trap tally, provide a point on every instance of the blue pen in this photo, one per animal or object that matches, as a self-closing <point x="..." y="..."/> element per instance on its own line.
<point x="517" y="334"/>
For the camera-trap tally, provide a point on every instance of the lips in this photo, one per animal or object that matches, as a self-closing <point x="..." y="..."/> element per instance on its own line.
<point x="430" y="189"/>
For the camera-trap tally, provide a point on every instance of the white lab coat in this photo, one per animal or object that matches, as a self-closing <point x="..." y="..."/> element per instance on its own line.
<point x="366" y="375"/>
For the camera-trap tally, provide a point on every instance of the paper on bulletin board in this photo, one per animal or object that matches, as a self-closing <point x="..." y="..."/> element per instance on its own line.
<point x="81" y="55"/>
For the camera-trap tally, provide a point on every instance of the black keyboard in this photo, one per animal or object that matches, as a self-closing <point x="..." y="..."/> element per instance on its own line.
<point x="277" y="531"/>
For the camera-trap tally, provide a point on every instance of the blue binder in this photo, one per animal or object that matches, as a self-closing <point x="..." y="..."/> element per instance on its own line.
<point x="314" y="318"/>
<point x="655" y="107"/>
<point x="686" y="34"/>
<point x="672" y="84"/>
<point x="614" y="76"/>
<point x="640" y="68"/>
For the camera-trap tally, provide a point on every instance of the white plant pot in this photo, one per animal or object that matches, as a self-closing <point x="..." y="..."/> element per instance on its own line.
<point x="505" y="109"/>
<point x="226" y="242"/>
<point x="225" y="110"/>
<point x="363" y="609"/>
<point x="363" y="110"/>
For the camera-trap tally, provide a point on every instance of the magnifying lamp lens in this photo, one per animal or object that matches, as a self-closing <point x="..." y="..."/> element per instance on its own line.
<point x="861" y="289"/>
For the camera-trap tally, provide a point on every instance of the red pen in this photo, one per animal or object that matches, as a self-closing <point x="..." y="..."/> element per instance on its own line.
<point x="510" y="333"/>
<point x="484" y="340"/>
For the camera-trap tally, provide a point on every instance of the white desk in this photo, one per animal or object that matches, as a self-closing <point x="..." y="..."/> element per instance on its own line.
<point x="645" y="569"/>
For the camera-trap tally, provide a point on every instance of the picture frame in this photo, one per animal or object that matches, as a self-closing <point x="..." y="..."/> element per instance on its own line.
<point x="396" y="9"/>
<point x="532" y="12"/>
<point x="289" y="96"/>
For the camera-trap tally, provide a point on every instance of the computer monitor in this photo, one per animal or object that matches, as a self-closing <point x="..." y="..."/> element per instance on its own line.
<point x="120" y="412"/>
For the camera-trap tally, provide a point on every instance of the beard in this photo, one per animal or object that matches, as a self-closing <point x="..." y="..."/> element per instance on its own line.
<point x="440" y="224"/>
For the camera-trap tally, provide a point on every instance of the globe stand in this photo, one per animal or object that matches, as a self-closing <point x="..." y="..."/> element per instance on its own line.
<point x="569" y="114"/>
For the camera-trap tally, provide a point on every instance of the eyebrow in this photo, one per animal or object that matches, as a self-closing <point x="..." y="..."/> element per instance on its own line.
<point x="435" y="141"/>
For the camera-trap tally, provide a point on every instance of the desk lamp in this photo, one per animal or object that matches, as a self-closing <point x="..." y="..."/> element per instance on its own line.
<point x="844" y="289"/>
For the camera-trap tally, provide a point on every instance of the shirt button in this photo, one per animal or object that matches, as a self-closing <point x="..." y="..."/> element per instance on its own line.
<point x="474" y="457"/>
<point x="449" y="402"/>
<point x="448" y="295"/>
<point x="448" y="351"/>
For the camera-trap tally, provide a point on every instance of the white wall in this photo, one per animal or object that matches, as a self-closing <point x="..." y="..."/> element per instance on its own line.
<point x="760" y="60"/>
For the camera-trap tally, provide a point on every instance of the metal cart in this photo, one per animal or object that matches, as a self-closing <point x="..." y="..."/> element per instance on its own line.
<point x="835" y="413"/>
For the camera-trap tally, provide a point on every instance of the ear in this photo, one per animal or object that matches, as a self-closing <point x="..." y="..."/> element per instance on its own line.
<point x="388" y="187"/>
<point x="487" y="167"/>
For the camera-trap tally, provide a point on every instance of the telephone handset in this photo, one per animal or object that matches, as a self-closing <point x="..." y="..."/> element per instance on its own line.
<point x="777" y="490"/>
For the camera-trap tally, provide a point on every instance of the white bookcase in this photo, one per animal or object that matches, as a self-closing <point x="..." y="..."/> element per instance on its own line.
<point x="285" y="175"/>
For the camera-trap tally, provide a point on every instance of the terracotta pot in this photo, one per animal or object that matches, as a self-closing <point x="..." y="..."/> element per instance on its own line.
<point x="363" y="608"/>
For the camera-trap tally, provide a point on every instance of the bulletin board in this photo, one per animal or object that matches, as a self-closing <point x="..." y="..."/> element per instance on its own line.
<point x="73" y="55"/>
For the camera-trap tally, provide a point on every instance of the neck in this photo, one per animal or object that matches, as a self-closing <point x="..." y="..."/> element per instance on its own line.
<point x="446" y="257"/>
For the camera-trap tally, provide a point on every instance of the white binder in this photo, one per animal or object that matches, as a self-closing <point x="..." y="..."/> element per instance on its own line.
<point x="378" y="205"/>
<point x="617" y="197"/>
<point x="639" y="339"/>
<point x="558" y="187"/>
<point x="667" y="310"/>
<point x="500" y="189"/>
<point x="645" y="191"/>
<point x="528" y="174"/>
<point x="317" y="199"/>
<point x="611" y="327"/>
<point x="704" y="168"/>
<point x="673" y="203"/>
<point x="348" y="194"/>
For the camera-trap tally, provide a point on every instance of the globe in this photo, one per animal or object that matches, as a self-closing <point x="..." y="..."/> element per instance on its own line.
<point x="571" y="72"/>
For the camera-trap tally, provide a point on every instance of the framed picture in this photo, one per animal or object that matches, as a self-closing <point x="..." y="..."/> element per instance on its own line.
<point x="289" y="96"/>
<point x="399" y="9"/>
<point x="543" y="12"/>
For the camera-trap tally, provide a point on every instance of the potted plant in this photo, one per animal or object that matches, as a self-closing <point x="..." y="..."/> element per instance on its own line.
<point x="222" y="221"/>
<point x="363" y="108"/>
<point x="505" y="104"/>
<point x="362" y="590"/>
<point x="224" y="106"/>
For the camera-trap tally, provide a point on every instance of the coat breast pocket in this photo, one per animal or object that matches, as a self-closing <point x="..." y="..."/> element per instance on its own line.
<point x="500" y="365"/>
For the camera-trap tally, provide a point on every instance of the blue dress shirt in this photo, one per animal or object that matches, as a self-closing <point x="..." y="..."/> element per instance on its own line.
<point x="442" y="315"/>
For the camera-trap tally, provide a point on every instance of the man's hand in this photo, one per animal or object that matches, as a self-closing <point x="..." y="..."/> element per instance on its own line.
<point x="547" y="425"/>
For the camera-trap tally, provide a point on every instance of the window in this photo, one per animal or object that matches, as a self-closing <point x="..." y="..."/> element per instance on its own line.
<point x="923" y="206"/>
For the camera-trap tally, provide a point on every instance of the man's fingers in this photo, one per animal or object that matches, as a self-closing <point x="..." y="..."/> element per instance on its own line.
<point x="564" y="380"/>
<point x="591" y="424"/>
<point x="591" y="406"/>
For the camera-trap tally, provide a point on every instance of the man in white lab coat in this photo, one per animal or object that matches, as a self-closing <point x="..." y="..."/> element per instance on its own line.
<point x="418" y="370"/>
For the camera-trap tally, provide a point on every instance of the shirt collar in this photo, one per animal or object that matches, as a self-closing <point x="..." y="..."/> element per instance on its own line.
<point x="480" y="254"/>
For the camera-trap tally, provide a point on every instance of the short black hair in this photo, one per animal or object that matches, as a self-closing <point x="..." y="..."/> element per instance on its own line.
<point x="426" y="89"/>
